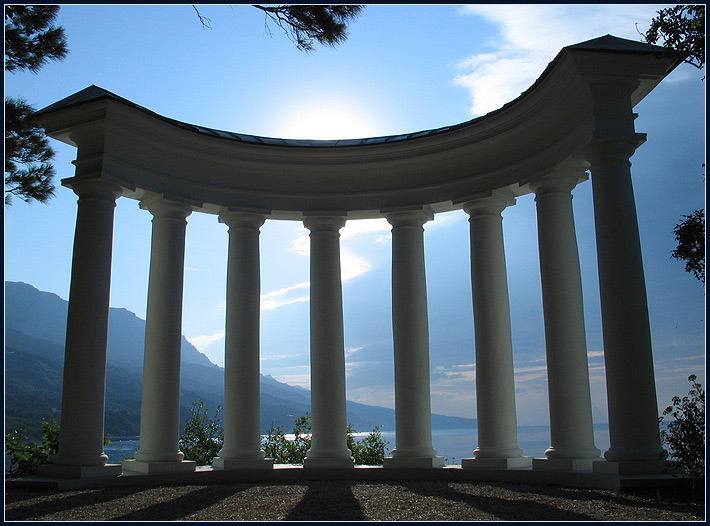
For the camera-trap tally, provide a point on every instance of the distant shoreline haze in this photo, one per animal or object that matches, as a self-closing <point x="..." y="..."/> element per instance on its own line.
<point x="452" y="444"/>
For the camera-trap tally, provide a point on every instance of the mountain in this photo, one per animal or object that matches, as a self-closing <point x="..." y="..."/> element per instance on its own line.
<point x="35" y="327"/>
<point x="44" y="316"/>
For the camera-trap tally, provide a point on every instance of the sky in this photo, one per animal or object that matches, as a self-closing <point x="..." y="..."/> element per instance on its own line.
<point x="404" y="68"/>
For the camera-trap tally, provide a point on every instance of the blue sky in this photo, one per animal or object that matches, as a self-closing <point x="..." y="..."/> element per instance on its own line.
<point x="403" y="69"/>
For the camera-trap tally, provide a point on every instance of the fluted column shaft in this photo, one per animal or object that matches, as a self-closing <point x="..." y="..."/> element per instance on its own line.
<point x="242" y="422"/>
<point x="495" y="384"/>
<point x="160" y="405"/>
<point x="410" y="325"/>
<point x="630" y="379"/>
<point x="81" y="436"/>
<point x="571" y="427"/>
<point x="328" y="406"/>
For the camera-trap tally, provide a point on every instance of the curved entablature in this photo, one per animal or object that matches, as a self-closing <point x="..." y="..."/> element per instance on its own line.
<point x="585" y="94"/>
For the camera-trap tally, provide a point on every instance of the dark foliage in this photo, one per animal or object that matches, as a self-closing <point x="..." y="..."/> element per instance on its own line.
<point x="30" y="42"/>
<point x="368" y="451"/>
<point x="26" y="144"/>
<point x="202" y="439"/>
<point x="307" y="24"/>
<point x="24" y="458"/>
<point x="685" y="435"/>
<point x="285" y="451"/>
<point x="690" y="235"/>
<point x="30" y="38"/>
<point x="681" y="28"/>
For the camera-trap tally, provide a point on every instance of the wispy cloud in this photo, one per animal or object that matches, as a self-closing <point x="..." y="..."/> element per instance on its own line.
<point x="352" y="265"/>
<point x="445" y="219"/>
<point x="281" y="297"/>
<point x="202" y="342"/>
<point x="379" y="395"/>
<point x="364" y="226"/>
<point x="352" y="350"/>
<point x="301" y="244"/>
<point x="301" y="380"/>
<point x="279" y="357"/>
<point x="529" y="38"/>
<point x="353" y="367"/>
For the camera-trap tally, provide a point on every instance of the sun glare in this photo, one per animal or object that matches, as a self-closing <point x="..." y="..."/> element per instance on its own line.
<point x="327" y="123"/>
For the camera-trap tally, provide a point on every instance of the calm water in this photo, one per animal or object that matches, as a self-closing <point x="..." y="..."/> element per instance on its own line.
<point x="452" y="444"/>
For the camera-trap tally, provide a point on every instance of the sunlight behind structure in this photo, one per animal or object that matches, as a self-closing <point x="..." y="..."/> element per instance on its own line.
<point x="327" y="122"/>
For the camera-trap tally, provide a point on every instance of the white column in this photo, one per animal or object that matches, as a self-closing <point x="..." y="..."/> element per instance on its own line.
<point x="630" y="379"/>
<point x="495" y="383"/>
<point x="411" y="343"/>
<point x="242" y="421"/>
<point x="158" y="450"/>
<point x="571" y="428"/>
<point x="81" y="435"/>
<point x="328" y="411"/>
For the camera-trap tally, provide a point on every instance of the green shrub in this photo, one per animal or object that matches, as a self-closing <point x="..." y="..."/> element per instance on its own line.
<point x="368" y="451"/>
<point x="202" y="438"/>
<point x="24" y="457"/>
<point x="685" y="435"/>
<point x="285" y="451"/>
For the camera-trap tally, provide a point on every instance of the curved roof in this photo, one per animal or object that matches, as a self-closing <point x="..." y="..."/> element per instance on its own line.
<point x="548" y="124"/>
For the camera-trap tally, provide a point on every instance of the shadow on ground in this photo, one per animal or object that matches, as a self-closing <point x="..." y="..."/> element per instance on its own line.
<point x="317" y="503"/>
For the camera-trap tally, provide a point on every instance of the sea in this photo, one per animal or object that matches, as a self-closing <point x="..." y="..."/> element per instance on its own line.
<point x="452" y="444"/>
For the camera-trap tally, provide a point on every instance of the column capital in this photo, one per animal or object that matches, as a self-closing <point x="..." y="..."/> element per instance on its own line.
<point x="414" y="217"/>
<point x="95" y="188"/>
<point x="621" y="147"/>
<point x="493" y="202"/>
<point x="240" y="219"/>
<point x="324" y="223"/>
<point x="560" y="179"/>
<point x="161" y="207"/>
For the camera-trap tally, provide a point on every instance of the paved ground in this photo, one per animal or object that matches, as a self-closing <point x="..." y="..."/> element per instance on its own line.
<point x="353" y="501"/>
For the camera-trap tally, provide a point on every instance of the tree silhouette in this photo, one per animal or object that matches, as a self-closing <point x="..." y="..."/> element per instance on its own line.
<point x="690" y="235"/>
<point x="305" y="25"/>
<point x="682" y="29"/>
<point x="30" y="42"/>
<point x="30" y="39"/>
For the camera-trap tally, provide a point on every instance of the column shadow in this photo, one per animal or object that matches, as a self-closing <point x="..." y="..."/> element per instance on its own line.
<point x="180" y="507"/>
<point x="670" y="499"/>
<point x="85" y="498"/>
<point x="503" y="509"/>
<point x="327" y="501"/>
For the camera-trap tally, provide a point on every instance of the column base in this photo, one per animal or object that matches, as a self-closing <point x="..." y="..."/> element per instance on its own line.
<point x="328" y="462"/>
<point x="414" y="462"/>
<point x="78" y="472"/>
<point x="563" y="464"/>
<point x="637" y="467"/>
<point x="242" y="463"/>
<point x="496" y="463"/>
<point x="144" y="466"/>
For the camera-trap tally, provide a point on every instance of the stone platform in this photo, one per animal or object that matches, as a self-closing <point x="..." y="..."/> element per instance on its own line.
<point x="283" y="473"/>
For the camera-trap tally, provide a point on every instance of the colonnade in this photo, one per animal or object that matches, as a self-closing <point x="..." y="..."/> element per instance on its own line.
<point x="633" y="425"/>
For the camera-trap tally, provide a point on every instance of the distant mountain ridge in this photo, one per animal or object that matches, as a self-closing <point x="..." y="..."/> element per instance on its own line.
<point x="44" y="315"/>
<point x="35" y="329"/>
